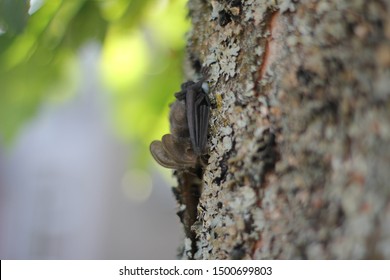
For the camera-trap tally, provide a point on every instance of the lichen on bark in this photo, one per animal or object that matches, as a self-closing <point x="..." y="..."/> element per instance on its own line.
<point x="299" y="130"/>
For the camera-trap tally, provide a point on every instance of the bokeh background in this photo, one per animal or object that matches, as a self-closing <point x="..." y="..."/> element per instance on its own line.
<point x="84" y="88"/>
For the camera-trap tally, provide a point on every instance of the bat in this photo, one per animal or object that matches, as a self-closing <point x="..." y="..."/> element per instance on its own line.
<point x="189" y="119"/>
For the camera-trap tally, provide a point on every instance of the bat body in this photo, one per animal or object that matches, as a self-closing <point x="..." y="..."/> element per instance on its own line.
<point x="189" y="118"/>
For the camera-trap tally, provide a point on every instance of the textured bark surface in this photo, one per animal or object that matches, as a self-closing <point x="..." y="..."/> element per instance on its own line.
<point x="299" y="137"/>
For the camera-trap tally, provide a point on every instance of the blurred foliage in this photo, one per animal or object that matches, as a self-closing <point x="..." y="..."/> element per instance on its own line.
<point x="142" y="50"/>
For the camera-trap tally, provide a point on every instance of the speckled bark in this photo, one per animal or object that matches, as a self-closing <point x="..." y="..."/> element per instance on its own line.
<point x="299" y="138"/>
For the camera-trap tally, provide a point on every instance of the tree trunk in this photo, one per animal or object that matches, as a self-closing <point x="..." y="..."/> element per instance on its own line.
<point x="299" y="155"/>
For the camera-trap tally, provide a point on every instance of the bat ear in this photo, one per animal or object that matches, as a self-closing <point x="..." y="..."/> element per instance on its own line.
<point x="161" y="156"/>
<point x="173" y="154"/>
<point x="179" y="151"/>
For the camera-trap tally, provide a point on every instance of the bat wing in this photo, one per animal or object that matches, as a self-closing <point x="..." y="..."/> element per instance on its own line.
<point x="198" y="111"/>
<point x="202" y="113"/>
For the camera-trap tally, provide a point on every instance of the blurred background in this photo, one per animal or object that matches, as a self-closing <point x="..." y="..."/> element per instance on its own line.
<point x="84" y="88"/>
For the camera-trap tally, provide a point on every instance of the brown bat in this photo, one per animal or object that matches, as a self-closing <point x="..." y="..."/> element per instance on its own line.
<point x="189" y="118"/>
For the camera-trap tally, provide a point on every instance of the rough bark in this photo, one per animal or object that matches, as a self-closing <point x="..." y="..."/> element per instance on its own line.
<point x="299" y="155"/>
